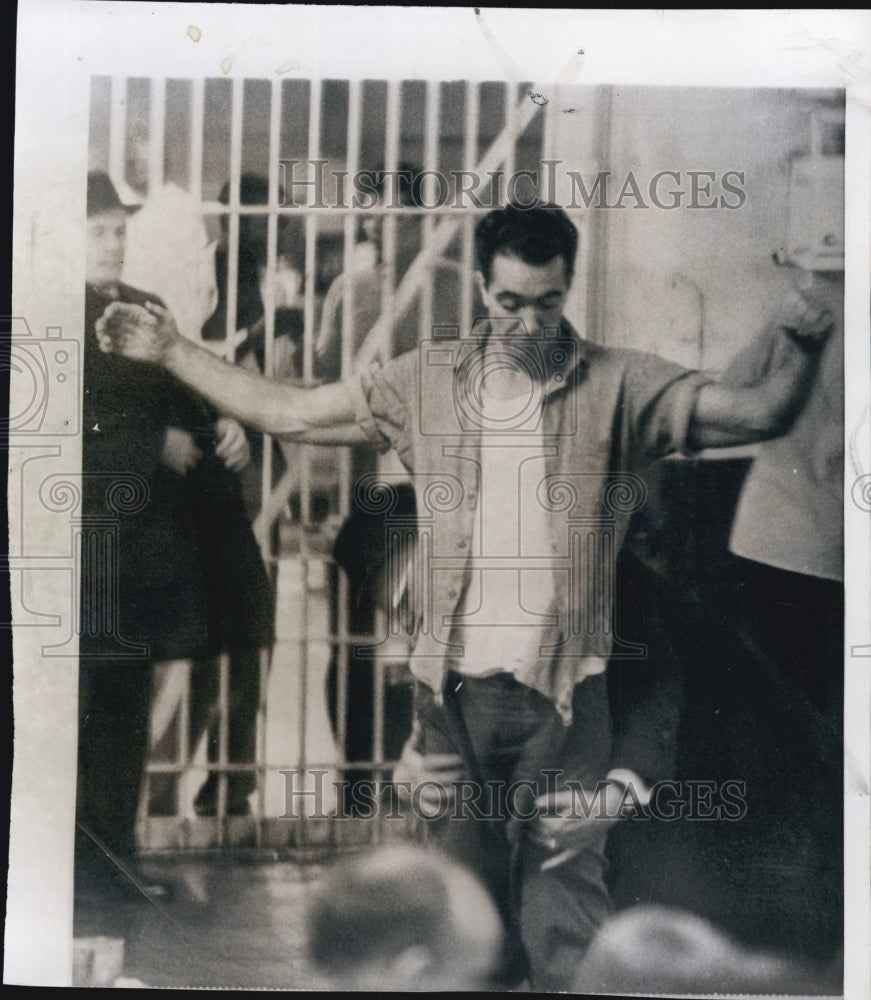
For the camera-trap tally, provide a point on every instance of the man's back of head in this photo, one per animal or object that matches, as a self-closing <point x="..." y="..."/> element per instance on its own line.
<point x="659" y="949"/>
<point x="402" y="918"/>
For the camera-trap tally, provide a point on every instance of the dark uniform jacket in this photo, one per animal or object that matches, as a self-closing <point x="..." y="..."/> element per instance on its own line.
<point x="174" y="556"/>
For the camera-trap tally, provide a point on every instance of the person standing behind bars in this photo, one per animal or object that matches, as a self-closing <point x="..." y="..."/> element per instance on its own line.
<point x="170" y="591"/>
<point x="192" y="276"/>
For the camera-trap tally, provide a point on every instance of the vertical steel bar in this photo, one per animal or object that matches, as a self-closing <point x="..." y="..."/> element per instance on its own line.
<point x="118" y="128"/>
<point x="388" y="228"/>
<point x="195" y="163"/>
<point x="430" y="197"/>
<point x="349" y="334"/>
<point x="271" y="241"/>
<point x="184" y="743"/>
<point x="311" y="233"/>
<point x="511" y="128"/>
<point x="269" y="305"/>
<point x="223" y="743"/>
<point x="233" y="216"/>
<point x="260" y="759"/>
<point x="311" y="229"/>
<point x="236" y="111"/>
<point x="156" y="133"/>
<point x="275" y="108"/>
<point x="470" y="158"/>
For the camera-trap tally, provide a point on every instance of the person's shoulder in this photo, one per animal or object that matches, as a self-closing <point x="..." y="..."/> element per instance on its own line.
<point x="405" y="361"/>
<point x="616" y="354"/>
<point x="401" y="373"/>
<point x="590" y="352"/>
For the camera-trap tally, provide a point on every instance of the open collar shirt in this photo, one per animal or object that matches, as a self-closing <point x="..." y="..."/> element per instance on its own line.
<point x="605" y="413"/>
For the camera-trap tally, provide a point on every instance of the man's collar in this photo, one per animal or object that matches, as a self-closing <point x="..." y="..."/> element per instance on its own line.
<point x="109" y="291"/>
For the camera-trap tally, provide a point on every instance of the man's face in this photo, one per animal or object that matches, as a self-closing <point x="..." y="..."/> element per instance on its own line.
<point x="531" y="294"/>
<point x="107" y="238"/>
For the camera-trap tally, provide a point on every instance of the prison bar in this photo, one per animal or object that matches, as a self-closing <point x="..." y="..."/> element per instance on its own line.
<point x="195" y="161"/>
<point x="156" y="133"/>
<point x="430" y="165"/>
<point x="378" y="337"/>
<point x="117" y="128"/>
<point x="439" y="226"/>
<point x="348" y="335"/>
<point x="470" y="157"/>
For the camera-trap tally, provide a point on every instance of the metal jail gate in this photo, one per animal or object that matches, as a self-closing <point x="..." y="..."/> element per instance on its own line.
<point x="306" y="139"/>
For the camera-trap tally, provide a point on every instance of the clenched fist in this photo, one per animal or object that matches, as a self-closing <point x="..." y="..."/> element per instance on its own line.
<point x="805" y="319"/>
<point x="142" y="333"/>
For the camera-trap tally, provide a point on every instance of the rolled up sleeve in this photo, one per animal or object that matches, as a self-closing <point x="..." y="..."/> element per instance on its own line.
<point x="661" y="398"/>
<point x="383" y="398"/>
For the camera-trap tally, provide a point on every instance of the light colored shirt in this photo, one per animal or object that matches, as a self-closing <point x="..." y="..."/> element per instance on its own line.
<point x="506" y="617"/>
<point x="791" y="510"/>
<point x="605" y="415"/>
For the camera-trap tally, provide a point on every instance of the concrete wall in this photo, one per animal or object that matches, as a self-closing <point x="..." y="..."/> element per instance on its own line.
<point x="695" y="284"/>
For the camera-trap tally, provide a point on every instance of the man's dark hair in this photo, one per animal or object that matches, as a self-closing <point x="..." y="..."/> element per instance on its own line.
<point x="534" y="235"/>
<point x="364" y="912"/>
<point x="370" y="908"/>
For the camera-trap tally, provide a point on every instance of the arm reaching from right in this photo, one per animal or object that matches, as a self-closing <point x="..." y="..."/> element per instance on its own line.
<point x="742" y="411"/>
<point x="322" y="415"/>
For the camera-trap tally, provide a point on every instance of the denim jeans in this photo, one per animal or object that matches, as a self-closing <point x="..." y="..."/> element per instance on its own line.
<point x="514" y="746"/>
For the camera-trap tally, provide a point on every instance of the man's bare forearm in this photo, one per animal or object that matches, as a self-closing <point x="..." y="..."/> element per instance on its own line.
<point x="727" y="415"/>
<point x="253" y="400"/>
<point x="149" y="334"/>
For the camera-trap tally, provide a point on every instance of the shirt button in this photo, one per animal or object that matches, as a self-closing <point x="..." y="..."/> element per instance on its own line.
<point x="452" y="593"/>
<point x="461" y="544"/>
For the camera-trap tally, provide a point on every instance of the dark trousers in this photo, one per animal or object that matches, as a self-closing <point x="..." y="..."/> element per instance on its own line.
<point x="512" y="736"/>
<point x="797" y="621"/>
<point x="114" y="698"/>
<point x="759" y="652"/>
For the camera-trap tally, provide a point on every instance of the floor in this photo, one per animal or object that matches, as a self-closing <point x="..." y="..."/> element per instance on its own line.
<point x="236" y="919"/>
<point x="221" y="922"/>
